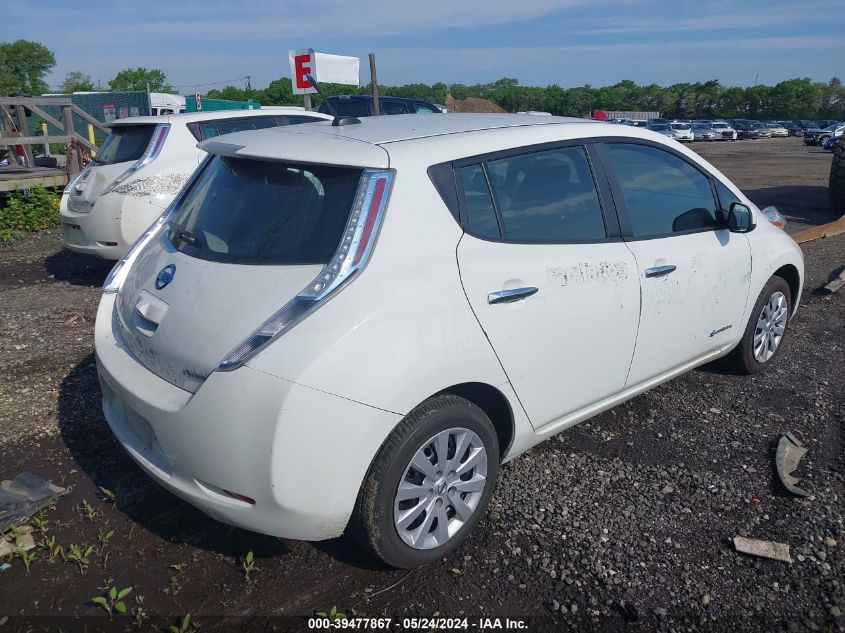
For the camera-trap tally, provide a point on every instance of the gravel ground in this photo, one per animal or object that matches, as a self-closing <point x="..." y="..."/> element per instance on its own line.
<point x="627" y="518"/>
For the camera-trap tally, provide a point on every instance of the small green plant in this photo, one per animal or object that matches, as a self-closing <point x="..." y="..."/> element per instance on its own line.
<point x="79" y="556"/>
<point x="333" y="614"/>
<point x="40" y="523"/>
<point x="180" y="567"/>
<point x="112" y="600"/>
<point x="108" y="495"/>
<point x="88" y="511"/>
<point x="53" y="549"/>
<point x="27" y="558"/>
<point x="183" y="626"/>
<point x="31" y="209"/>
<point x="249" y="565"/>
<point x="104" y="537"/>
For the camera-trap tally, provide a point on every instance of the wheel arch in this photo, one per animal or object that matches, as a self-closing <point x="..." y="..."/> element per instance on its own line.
<point x="789" y="273"/>
<point x="494" y="403"/>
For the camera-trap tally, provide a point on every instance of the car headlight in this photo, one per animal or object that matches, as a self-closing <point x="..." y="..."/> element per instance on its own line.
<point x="774" y="216"/>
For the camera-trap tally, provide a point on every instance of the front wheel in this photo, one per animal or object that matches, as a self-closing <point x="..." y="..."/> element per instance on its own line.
<point x="763" y="337"/>
<point x="429" y="484"/>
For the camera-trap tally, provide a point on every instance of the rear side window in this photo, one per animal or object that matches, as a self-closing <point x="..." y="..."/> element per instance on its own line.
<point x="227" y="126"/>
<point x="126" y="143"/>
<point x="252" y="212"/>
<point x="548" y="196"/>
<point x="480" y="213"/>
<point x="347" y="107"/>
<point x="422" y="108"/>
<point x="388" y="106"/>
<point x="663" y="194"/>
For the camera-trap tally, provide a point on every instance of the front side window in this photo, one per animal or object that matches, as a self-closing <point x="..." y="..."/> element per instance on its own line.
<point x="548" y="196"/>
<point x="244" y="211"/>
<point x="663" y="194"/>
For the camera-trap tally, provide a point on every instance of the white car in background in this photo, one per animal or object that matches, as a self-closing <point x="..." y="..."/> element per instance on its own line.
<point x="682" y="132"/>
<point x="777" y="130"/>
<point x="722" y="131"/>
<point x="141" y="166"/>
<point x="702" y="131"/>
<point x="352" y="326"/>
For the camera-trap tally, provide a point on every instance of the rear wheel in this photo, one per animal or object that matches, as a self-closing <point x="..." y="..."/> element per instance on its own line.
<point x="763" y="337"/>
<point x="429" y="484"/>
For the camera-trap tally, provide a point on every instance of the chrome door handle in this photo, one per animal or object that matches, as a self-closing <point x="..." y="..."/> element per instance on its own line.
<point x="659" y="271"/>
<point x="508" y="296"/>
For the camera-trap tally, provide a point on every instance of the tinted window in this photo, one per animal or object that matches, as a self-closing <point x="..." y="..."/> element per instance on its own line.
<point x="425" y="109"/>
<point x="663" y="194"/>
<point x="480" y="214"/>
<point x="251" y="212"/>
<point x="227" y="126"/>
<point x="347" y="107"/>
<point x="125" y="143"/>
<point x="388" y="106"/>
<point x="548" y="196"/>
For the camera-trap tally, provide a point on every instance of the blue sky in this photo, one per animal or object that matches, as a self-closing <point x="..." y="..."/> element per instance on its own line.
<point x="540" y="42"/>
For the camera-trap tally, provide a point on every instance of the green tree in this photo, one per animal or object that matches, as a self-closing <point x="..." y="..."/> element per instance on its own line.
<point x="139" y="78"/>
<point x="76" y="81"/>
<point x="23" y="65"/>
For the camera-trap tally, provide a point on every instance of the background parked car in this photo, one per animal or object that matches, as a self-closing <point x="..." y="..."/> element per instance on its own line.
<point x="362" y="105"/>
<point x="662" y="128"/>
<point x="139" y="169"/>
<point x="816" y="136"/>
<point x="723" y="131"/>
<point x="703" y="132"/>
<point x="682" y="132"/>
<point x="776" y="129"/>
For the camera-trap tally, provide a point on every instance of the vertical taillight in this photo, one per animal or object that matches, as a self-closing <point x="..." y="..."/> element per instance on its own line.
<point x="352" y="254"/>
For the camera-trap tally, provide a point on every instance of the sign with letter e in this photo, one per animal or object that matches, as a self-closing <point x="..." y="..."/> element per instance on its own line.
<point x="301" y="64"/>
<point x="331" y="69"/>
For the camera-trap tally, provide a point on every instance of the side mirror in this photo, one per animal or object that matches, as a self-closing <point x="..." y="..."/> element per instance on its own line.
<point x="739" y="218"/>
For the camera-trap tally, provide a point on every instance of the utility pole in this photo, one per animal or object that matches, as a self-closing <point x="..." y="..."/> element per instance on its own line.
<point x="374" y="84"/>
<point x="307" y="98"/>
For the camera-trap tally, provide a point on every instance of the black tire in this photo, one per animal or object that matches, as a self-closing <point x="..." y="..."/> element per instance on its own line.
<point x="836" y="184"/>
<point x="372" y="521"/>
<point x="741" y="359"/>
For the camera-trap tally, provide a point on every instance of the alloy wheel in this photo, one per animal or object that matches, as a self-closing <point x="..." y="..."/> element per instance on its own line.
<point x="440" y="488"/>
<point x="771" y="325"/>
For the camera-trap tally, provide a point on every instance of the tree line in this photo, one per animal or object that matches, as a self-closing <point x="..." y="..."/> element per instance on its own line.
<point x="24" y="64"/>
<point x="800" y="98"/>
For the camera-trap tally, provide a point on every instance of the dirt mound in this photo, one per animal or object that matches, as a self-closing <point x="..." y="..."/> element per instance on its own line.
<point x="472" y="104"/>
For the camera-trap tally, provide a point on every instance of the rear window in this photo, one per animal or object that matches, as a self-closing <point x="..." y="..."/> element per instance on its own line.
<point x="251" y="212"/>
<point x="126" y="143"/>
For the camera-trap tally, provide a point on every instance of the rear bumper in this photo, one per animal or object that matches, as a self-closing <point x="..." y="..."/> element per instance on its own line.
<point x="110" y="228"/>
<point x="301" y="454"/>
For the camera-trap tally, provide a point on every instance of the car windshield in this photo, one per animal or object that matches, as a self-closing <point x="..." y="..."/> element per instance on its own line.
<point x="660" y="127"/>
<point x="832" y="128"/>
<point x="680" y="126"/>
<point x="720" y="126"/>
<point x="126" y="143"/>
<point x="701" y="126"/>
<point x="243" y="211"/>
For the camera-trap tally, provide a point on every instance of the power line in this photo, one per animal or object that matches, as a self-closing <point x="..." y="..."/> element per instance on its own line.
<point x="212" y="83"/>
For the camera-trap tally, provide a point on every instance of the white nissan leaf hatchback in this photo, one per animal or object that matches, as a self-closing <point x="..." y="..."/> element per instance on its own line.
<point x="352" y="326"/>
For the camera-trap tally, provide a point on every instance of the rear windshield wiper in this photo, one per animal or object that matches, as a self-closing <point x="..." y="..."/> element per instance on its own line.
<point x="182" y="235"/>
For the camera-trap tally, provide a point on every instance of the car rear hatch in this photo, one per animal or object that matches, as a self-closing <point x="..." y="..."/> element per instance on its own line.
<point x="126" y="149"/>
<point x="246" y="238"/>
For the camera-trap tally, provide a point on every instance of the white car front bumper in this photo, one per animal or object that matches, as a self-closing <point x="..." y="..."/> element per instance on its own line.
<point x="299" y="453"/>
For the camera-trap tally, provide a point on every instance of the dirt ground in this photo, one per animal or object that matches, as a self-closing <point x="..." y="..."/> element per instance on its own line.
<point x="625" y="520"/>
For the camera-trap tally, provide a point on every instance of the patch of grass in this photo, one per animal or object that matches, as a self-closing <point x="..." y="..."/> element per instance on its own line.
<point x="31" y="209"/>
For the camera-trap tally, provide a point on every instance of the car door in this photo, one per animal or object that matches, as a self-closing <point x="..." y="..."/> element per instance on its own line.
<point x="553" y="287"/>
<point x="694" y="273"/>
